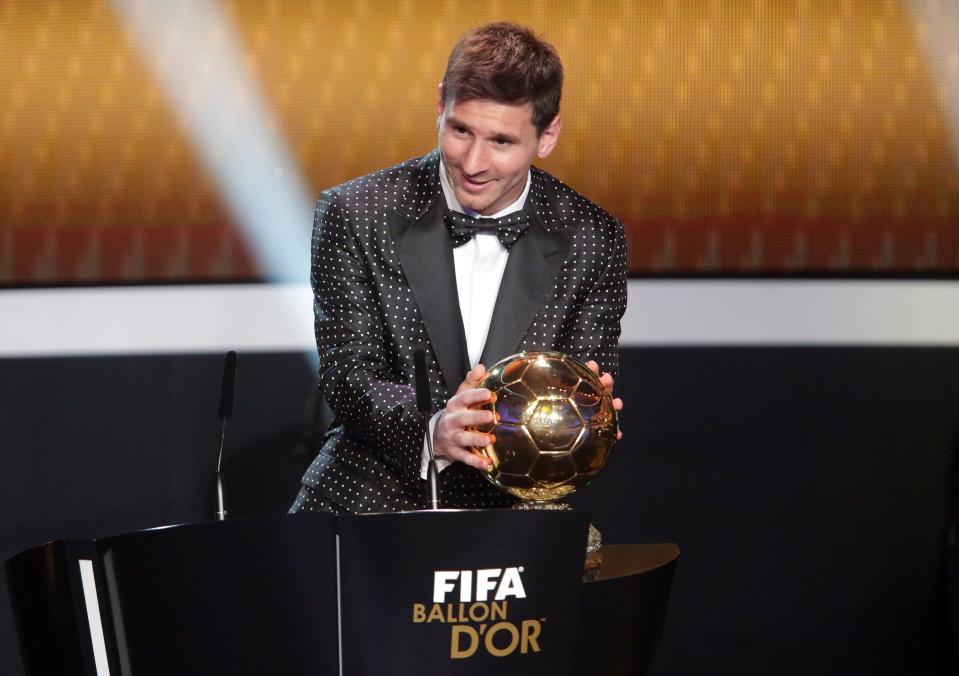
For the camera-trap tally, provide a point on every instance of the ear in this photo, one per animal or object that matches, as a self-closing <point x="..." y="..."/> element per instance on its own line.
<point x="549" y="137"/>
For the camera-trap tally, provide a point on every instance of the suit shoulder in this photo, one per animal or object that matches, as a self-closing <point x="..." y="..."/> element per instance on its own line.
<point x="403" y="188"/>
<point x="561" y="206"/>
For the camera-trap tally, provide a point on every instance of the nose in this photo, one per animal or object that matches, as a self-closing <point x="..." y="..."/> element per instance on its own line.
<point x="474" y="161"/>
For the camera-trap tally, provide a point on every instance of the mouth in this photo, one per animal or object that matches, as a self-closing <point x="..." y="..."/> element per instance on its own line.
<point x="473" y="184"/>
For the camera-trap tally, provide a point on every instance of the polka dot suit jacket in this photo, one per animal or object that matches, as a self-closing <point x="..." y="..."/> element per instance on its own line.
<point x="384" y="283"/>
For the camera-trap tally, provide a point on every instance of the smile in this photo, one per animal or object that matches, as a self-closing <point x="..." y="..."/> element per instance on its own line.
<point x="473" y="184"/>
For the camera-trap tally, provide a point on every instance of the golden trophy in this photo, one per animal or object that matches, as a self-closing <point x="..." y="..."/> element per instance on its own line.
<point x="554" y="427"/>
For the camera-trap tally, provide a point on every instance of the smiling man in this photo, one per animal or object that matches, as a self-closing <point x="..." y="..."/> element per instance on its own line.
<point x="469" y="251"/>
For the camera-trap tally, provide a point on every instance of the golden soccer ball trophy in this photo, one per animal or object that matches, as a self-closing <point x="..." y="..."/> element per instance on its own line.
<point x="554" y="425"/>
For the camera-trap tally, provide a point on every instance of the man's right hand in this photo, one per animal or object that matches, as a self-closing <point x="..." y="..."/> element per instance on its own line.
<point x="451" y="438"/>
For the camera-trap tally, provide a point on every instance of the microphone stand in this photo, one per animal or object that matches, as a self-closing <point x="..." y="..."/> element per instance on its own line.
<point x="227" y="391"/>
<point x="220" y="509"/>
<point x="432" y="472"/>
<point x="424" y="403"/>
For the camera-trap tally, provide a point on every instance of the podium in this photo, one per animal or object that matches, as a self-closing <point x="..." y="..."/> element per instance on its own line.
<point x="446" y="592"/>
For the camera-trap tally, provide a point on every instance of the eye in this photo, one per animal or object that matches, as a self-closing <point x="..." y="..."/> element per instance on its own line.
<point x="502" y="142"/>
<point x="460" y="130"/>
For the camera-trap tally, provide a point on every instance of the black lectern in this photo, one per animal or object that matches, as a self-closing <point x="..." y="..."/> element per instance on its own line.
<point x="448" y="592"/>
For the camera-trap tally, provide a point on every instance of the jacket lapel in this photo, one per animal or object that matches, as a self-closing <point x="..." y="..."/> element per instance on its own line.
<point x="530" y="270"/>
<point x="426" y="254"/>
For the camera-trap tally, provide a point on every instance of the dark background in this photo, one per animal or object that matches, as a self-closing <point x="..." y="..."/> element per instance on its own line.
<point x="808" y="488"/>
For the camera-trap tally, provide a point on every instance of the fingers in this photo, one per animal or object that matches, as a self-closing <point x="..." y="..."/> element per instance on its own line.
<point x="473" y="378"/>
<point x="468" y="439"/>
<point x="618" y="407"/>
<point x="453" y="439"/>
<point x="469" y="397"/>
<point x="471" y="417"/>
<point x="454" y="429"/>
<point x="606" y="379"/>
<point x="470" y="458"/>
<point x="467" y="453"/>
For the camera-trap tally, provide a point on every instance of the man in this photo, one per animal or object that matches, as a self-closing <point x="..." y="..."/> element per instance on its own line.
<point x="402" y="258"/>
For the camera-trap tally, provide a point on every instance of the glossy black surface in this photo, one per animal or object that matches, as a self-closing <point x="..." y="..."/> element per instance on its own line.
<point x="47" y="598"/>
<point x="260" y="596"/>
<point x="254" y="596"/>
<point x="388" y="563"/>
<point x="624" y="609"/>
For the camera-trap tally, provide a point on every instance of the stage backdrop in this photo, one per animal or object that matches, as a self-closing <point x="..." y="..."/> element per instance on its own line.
<point x="150" y="141"/>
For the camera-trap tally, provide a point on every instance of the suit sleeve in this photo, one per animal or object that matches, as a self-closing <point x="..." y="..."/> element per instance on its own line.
<point x="595" y="328"/>
<point x="360" y="386"/>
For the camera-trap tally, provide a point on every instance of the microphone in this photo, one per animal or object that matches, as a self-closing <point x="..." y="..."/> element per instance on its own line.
<point x="228" y="386"/>
<point x="225" y="411"/>
<point x="424" y="404"/>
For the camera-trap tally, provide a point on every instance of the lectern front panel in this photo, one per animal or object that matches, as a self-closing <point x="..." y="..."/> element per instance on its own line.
<point x="461" y="592"/>
<point x="206" y="598"/>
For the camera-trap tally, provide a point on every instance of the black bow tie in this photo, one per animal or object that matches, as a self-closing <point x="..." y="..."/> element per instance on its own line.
<point x="508" y="228"/>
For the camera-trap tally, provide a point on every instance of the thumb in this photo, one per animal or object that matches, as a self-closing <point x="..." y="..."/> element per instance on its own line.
<point x="473" y="378"/>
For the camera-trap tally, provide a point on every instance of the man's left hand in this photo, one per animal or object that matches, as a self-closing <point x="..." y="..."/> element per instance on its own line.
<point x="607" y="381"/>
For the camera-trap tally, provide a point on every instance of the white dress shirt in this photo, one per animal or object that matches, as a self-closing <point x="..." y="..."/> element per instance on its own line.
<point x="479" y="266"/>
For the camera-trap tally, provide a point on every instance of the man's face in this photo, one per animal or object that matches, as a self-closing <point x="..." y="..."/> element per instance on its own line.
<point x="487" y="149"/>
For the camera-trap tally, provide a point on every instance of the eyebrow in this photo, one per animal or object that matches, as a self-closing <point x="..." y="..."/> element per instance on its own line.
<point x="499" y="136"/>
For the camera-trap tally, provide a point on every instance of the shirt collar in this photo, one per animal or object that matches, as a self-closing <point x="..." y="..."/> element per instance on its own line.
<point x="455" y="205"/>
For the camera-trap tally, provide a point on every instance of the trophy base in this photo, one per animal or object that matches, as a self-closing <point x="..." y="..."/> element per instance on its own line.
<point x="594" y="539"/>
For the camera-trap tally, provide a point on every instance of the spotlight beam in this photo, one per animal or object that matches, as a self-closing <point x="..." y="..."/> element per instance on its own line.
<point x="193" y="50"/>
<point x="938" y="37"/>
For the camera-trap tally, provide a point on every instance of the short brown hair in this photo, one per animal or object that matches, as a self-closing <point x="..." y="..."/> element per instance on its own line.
<point x="506" y="63"/>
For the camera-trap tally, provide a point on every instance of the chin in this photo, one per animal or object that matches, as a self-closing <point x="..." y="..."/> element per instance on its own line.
<point x="469" y="202"/>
